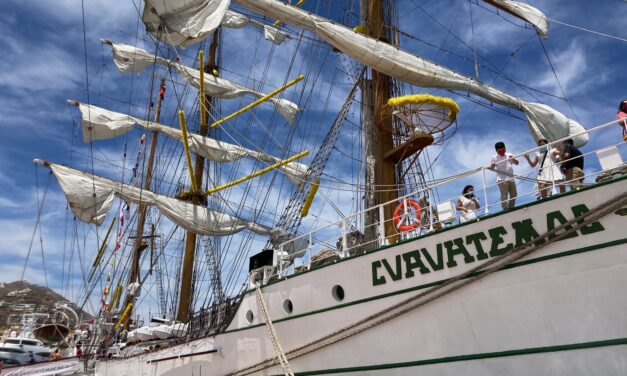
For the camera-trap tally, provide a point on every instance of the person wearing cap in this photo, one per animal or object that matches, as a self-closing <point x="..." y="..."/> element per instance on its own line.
<point x="622" y="117"/>
<point x="503" y="164"/>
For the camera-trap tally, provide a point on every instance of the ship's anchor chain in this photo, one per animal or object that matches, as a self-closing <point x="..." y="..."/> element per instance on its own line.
<point x="493" y="265"/>
<point x="275" y="339"/>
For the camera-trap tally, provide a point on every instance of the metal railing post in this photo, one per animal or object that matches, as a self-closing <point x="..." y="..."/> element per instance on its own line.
<point x="430" y="212"/>
<point x="485" y="192"/>
<point x="309" y="252"/>
<point x="344" y="241"/>
<point x="381" y="226"/>
<point x="280" y="257"/>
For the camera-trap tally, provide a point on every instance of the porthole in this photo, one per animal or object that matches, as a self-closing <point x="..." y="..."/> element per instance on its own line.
<point x="338" y="293"/>
<point x="288" y="307"/>
<point x="250" y="316"/>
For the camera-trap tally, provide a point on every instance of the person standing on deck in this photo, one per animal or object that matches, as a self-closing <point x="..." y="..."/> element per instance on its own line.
<point x="549" y="173"/>
<point x="572" y="164"/>
<point x="467" y="203"/>
<point x="503" y="164"/>
<point x="622" y="116"/>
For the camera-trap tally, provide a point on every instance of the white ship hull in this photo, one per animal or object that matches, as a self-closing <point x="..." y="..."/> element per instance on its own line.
<point x="560" y="310"/>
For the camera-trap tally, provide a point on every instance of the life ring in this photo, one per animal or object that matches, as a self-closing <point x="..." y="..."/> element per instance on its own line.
<point x="401" y="215"/>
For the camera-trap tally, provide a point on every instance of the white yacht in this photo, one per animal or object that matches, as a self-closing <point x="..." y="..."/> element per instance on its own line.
<point x="20" y="348"/>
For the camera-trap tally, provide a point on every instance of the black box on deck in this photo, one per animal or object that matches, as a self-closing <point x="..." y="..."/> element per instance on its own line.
<point x="263" y="258"/>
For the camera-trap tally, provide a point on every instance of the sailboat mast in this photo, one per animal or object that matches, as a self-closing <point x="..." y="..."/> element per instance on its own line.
<point x="380" y="173"/>
<point x="139" y="244"/>
<point x="187" y="270"/>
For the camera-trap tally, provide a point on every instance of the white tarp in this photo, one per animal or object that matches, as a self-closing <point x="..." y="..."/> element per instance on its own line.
<point x="525" y="12"/>
<point x="90" y="198"/>
<point x="183" y="22"/>
<point x="58" y="367"/>
<point x="133" y="59"/>
<point x="100" y="124"/>
<point x="235" y="20"/>
<point x="543" y="121"/>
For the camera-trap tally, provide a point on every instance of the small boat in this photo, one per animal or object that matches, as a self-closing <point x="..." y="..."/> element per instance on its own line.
<point x="11" y="356"/>
<point x="51" y="333"/>
<point x="26" y="346"/>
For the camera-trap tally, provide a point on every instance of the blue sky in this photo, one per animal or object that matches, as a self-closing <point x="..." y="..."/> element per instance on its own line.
<point x="44" y="64"/>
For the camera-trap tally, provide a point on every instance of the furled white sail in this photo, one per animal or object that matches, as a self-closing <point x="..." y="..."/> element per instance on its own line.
<point x="133" y="59"/>
<point x="183" y="22"/>
<point x="237" y="20"/>
<point x="525" y="12"/>
<point x="101" y="124"/>
<point x="543" y="121"/>
<point x="227" y="89"/>
<point x="90" y="198"/>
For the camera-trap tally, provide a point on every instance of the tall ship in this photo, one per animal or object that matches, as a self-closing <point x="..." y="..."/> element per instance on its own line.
<point x="287" y="198"/>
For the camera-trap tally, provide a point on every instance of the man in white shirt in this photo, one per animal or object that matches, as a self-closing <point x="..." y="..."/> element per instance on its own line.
<point x="502" y="163"/>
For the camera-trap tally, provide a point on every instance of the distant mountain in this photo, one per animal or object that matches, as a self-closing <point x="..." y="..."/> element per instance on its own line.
<point x="19" y="297"/>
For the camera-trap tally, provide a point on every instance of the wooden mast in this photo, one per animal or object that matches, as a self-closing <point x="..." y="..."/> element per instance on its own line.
<point x="187" y="270"/>
<point x="381" y="183"/>
<point x="139" y="244"/>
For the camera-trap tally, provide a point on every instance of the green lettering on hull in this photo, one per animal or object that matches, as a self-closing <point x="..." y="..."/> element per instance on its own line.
<point x="425" y="262"/>
<point x="496" y="234"/>
<point x="456" y="247"/>
<point x="412" y="261"/>
<point x="525" y="232"/>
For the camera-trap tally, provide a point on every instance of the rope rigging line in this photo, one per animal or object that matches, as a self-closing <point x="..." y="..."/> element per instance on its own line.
<point x="546" y="53"/>
<point x="496" y="69"/>
<point x="244" y="249"/>
<point x="474" y="44"/>
<point x="37" y="223"/>
<point x="451" y="285"/>
<point x="291" y="219"/>
<point x="622" y="39"/>
<point x="41" y="240"/>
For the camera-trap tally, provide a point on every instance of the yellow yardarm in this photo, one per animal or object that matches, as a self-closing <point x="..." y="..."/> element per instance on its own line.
<point x="426" y="98"/>
<point x="362" y="29"/>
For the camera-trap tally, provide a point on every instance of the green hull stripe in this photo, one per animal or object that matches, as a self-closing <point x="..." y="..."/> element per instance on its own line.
<point x="436" y="283"/>
<point x="461" y="358"/>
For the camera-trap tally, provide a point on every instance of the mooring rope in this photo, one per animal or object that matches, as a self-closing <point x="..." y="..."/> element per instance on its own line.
<point x="275" y="338"/>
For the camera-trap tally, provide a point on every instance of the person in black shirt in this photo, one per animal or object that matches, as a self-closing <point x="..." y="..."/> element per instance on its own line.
<point x="572" y="164"/>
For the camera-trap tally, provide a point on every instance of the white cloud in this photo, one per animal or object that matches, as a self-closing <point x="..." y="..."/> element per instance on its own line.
<point x="571" y="64"/>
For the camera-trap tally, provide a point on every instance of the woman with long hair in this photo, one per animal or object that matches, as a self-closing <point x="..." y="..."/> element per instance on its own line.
<point x="549" y="173"/>
<point x="467" y="203"/>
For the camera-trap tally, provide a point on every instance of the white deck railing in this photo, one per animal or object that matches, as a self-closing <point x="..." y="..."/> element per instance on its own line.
<point x="346" y="237"/>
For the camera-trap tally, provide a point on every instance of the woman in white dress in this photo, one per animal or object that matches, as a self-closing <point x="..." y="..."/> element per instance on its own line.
<point x="467" y="204"/>
<point x="548" y="172"/>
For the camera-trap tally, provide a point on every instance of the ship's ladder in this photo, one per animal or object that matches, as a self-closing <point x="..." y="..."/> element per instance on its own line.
<point x="415" y="301"/>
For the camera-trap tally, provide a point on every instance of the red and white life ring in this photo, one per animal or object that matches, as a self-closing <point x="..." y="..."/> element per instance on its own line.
<point x="402" y="216"/>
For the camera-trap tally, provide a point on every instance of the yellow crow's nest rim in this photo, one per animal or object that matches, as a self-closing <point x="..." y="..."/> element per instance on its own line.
<point x="426" y="98"/>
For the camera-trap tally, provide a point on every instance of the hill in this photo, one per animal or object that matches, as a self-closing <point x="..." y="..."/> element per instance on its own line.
<point x="18" y="298"/>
